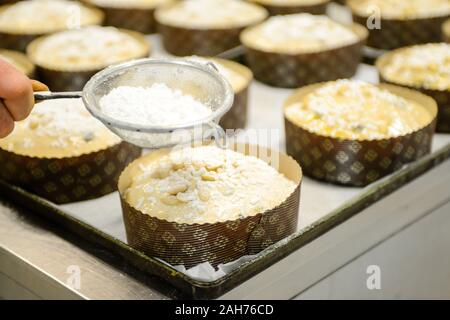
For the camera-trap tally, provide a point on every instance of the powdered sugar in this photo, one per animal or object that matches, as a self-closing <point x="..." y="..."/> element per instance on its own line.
<point x="157" y="105"/>
<point x="62" y="115"/>
<point x="59" y="128"/>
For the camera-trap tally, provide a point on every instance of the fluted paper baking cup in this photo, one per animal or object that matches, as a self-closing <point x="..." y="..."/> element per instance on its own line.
<point x="68" y="79"/>
<point x="216" y="243"/>
<point x="280" y="9"/>
<point x="296" y="70"/>
<point x="236" y="117"/>
<point x="19" y="41"/>
<point x="357" y="162"/>
<point x="394" y="34"/>
<point x="136" y="19"/>
<point x="186" y="41"/>
<point x="203" y="42"/>
<point x="442" y="97"/>
<point x="70" y="179"/>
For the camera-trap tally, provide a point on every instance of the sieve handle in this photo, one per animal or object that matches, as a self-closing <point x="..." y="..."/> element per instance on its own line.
<point x="42" y="96"/>
<point x="232" y="53"/>
<point x="219" y="135"/>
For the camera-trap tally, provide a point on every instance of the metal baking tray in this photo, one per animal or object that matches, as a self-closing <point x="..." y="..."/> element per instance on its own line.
<point x="312" y="224"/>
<point x="322" y="207"/>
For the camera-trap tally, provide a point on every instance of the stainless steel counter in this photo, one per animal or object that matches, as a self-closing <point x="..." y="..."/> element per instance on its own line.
<point x="38" y="262"/>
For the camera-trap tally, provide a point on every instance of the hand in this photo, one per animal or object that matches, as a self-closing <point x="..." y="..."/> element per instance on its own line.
<point x="16" y="97"/>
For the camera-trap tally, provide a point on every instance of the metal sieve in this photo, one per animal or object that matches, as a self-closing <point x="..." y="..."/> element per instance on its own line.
<point x="200" y="80"/>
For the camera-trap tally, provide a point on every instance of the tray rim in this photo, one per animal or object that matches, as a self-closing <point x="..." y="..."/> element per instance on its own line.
<point x="197" y="289"/>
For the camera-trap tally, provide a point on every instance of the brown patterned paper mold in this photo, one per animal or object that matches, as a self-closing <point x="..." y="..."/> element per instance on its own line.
<point x="240" y="78"/>
<point x="24" y="21"/>
<point x="290" y="7"/>
<point x="215" y="241"/>
<point x="401" y="22"/>
<point x="18" y="60"/>
<point x="357" y="162"/>
<point x="63" y="154"/>
<point x="289" y="66"/>
<point x="236" y="118"/>
<point x="446" y="31"/>
<point x="122" y="14"/>
<point x="66" y="60"/>
<point x="431" y="77"/>
<point x="203" y="27"/>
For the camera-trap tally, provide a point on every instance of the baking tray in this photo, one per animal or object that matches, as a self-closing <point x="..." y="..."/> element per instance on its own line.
<point x="323" y="206"/>
<point x="313" y="224"/>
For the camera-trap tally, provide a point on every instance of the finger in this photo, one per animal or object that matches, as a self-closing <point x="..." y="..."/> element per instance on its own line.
<point x="6" y="121"/>
<point x="16" y="91"/>
<point x="39" y="86"/>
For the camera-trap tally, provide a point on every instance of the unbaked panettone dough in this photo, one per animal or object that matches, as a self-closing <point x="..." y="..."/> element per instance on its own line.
<point x="206" y="185"/>
<point x="355" y="110"/>
<point x="425" y="66"/>
<point x="58" y="129"/>
<point x="401" y="9"/>
<point x="87" y="48"/>
<point x="211" y="14"/>
<point x="298" y="33"/>
<point x="45" y="16"/>
<point x="18" y="60"/>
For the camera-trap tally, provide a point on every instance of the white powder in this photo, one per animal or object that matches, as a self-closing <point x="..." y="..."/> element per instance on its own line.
<point x="62" y="115"/>
<point x="157" y="105"/>
<point x="59" y="128"/>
